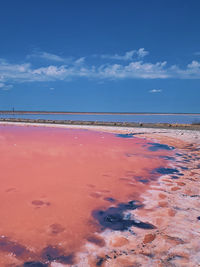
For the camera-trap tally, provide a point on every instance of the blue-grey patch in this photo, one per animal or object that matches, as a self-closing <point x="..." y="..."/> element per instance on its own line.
<point x="174" y="177"/>
<point x="167" y="157"/>
<point x="163" y="170"/>
<point x="144" y="181"/>
<point x="110" y="199"/>
<point x="128" y="135"/>
<point x="113" y="218"/>
<point x="157" y="146"/>
<point x="184" y="168"/>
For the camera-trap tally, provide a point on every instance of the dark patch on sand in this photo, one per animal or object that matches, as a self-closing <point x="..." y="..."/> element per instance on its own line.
<point x="9" y="246"/>
<point x="34" y="264"/>
<point x="144" y="181"/>
<point x="184" y="168"/>
<point x="100" y="261"/>
<point x="167" y="158"/>
<point x="114" y="219"/>
<point x="163" y="170"/>
<point x="179" y="154"/>
<point x="97" y="240"/>
<point x="110" y="199"/>
<point x="52" y="253"/>
<point x="128" y="135"/>
<point x="157" y="146"/>
<point x="39" y="203"/>
<point x="56" y="228"/>
<point x="180" y="174"/>
<point x="141" y="179"/>
<point x="174" y="177"/>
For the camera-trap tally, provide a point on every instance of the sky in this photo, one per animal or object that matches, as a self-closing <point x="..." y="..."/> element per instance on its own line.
<point x="108" y="55"/>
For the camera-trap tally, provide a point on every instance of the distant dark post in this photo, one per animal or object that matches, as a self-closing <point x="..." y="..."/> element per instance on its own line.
<point x="13" y="110"/>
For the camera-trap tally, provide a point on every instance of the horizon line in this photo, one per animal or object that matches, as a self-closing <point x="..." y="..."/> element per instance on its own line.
<point x="13" y="111"/>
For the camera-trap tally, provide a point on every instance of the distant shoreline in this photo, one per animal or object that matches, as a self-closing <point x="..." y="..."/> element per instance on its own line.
<point x="103" y="123"/>
<point x="91" y="113"/>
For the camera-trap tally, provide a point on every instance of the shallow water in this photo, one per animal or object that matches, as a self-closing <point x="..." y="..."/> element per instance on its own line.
<point x="61" y="186"/>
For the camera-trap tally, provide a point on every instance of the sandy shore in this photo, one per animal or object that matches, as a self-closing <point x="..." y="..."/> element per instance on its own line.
<point x="172" y="205"/>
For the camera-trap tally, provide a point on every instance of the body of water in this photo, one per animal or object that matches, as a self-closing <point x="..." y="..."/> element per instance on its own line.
<point x="145" y="118"/>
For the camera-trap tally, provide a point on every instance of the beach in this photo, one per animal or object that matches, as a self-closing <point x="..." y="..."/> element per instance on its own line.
<point x="137" y="201"/>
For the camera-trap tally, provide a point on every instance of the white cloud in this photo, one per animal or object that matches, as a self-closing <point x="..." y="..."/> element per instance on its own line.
<point x="155" y="91"/>
<point x="128" y="56"/>
<point x="142" y="52"/>
<point x="46" y="56"/>
<point x="79" y="61"/>
<point x="194" y="65"/>
<point x="135" y="69"/>
<point x="5" y="87"/>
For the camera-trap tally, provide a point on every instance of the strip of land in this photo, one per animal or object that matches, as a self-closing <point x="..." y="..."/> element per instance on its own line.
<point x="104" y="123"/>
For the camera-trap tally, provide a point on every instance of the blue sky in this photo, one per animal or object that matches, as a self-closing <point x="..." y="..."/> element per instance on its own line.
<point x="108" y="55"/>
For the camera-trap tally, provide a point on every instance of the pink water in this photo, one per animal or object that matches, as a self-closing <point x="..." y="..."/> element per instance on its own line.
<point x="53" y="178"/>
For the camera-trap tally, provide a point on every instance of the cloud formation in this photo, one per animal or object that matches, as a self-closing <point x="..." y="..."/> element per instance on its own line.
<point x="128" y="56"/>
<point x="134" y="69"/>
<point x="155" y="91"/>
<point x="46" y="56"/>
<point x="5" y="87"/>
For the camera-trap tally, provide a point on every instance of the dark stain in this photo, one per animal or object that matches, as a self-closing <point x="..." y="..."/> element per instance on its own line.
<point x="174" y="177"/>
<point x="97" y="240"/>
<point x="198" y="218"/>
<point x="52" y="253"/>
<point x="174" y="257"/>
<point x="34" y="264"/>
<point x="12" y="189"/>
<point x="184" y="168"/>
<point x="167" y="158"/>
<point x="95" y="195"/>
<point x="128" y="135"/>
<point x="110" y="199"/>
<point x="38" y="202"/>
<point x="100" y="261"/>
<point x="113" y="218"/>
<point x="157" y="146"/>
<point x="163" y="170"/>
<point x="174" y="238"/>
<point x="9" y="246"/>
<point x="144" y="181"/>
<point x="56" y="228"/>
<point x="140" y="179"/>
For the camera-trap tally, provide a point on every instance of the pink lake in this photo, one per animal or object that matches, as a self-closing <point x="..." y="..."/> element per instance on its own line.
<point x="54" y="179"/>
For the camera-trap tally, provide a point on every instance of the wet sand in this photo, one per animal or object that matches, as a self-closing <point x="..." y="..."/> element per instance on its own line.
<point x="99" y="197"/>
